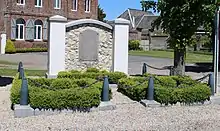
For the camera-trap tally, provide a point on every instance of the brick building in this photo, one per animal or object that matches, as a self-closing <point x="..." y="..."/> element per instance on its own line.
<point x="25" y="21"/>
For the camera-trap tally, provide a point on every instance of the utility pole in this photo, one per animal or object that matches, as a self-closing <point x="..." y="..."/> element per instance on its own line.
<point x="216" y="47"/>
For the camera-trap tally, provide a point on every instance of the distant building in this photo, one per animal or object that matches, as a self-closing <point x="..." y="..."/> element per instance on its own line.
<point x="139" y="29"/>
<point x="25" y="21"/>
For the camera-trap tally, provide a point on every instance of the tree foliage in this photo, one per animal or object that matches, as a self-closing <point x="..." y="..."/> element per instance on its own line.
<point x="181" y="19"/>
<point x="101" y="14"/>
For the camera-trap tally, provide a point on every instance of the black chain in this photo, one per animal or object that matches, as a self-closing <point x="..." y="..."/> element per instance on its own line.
<point x="140" y="83"/>
<point x="202" y="78"/>
<point x="40" y="85"/>
<point x="98" y="80"/>
<point x="163" y="68"/>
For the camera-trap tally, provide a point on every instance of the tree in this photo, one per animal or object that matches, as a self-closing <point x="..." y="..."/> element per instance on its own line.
<point x="101" y="14"/>
<point x="181" y="19"/>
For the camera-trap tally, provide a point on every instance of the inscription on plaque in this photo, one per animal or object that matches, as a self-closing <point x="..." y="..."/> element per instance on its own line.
<point x="88" y="45"/>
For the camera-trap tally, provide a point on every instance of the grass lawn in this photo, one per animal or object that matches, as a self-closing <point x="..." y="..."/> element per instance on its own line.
<point x="190" y="57"/>
<point x="7" y="63"/>
<point x="12" y="72"/>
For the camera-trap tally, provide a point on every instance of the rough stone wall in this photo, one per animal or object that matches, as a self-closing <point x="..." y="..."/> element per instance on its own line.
<point x="105" y="49"/>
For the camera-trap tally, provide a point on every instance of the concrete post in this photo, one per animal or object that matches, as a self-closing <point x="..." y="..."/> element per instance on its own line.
<point x="120" y="47"/>
<point x="56" y="45"/>
<point x="3" y="43"/>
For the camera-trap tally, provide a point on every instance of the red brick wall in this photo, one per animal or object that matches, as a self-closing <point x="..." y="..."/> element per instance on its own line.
<point x="29" y="11"/>
<point x="48" y="9"/>
<point x="2" y="8"/>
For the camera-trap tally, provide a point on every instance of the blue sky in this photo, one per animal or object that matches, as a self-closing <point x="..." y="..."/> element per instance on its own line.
<point x="113" y="8"/>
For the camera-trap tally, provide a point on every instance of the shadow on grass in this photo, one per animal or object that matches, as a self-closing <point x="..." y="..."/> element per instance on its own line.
<point x="5" y="81"/>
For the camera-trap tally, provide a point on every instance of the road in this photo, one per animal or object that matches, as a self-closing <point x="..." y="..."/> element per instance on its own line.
<point x="39" y="61"/>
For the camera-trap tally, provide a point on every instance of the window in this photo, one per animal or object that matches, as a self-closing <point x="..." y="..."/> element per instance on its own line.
<point x="57" y="4"/>
<point x="87" y="5"/>
<point x="20" y="2"/>
<point x="38" y="3"/>
<point x="75" y="3"/>
<point x="38" y="30"/>
<point x="20" y="29"/>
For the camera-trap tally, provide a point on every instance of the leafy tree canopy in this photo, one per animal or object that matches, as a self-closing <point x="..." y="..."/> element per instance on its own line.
<point x="181" y="18"/>
<point x="101" y="14"/>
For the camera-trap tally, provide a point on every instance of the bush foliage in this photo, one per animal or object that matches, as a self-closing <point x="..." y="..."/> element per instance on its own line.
<point x="167" y="89"/>
<point x="134" y="45"/>
<point x="62" y="93"/>
<point x="94" y="74"/>
<point x="26" y="50"/>
<point x="10" y="47"/>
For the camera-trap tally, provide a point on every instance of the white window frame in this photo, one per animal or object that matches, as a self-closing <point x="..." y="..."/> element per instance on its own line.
<point x="37" y="31"/>
<point x="75" y="5"/>
<point x="39" y="1"/>
<point x="88" y="3"/>
<point x="56" y="4"/>
<point x="19" y="32"/>
<point x="21" y="3"/>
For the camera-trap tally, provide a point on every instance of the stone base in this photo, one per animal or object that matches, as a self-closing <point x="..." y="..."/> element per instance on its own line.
<point x="50" y="76"/>
<point x="103" y="106"/>
<point x="23" y="111"/>
<point x="150" y="103"/>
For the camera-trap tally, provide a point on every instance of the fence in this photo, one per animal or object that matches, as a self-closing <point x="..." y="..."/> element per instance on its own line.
<point x="24" y="86"/>
<point x="209" y="76"/>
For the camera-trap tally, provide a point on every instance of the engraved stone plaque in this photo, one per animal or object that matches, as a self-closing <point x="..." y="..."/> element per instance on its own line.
<point x="88" y="45"/>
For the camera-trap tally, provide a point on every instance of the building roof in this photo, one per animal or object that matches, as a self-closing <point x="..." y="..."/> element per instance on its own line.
<point x="139" y="18"/>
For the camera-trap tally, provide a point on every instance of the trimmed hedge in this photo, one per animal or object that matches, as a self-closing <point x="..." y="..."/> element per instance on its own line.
<point x="10" y="47"/>
<point x="184" y="92"/>
<point x="26" y="50"/>
<point x="134" y="45"/>
<point x="94" y="74"/>
<point x="66" y="93"/>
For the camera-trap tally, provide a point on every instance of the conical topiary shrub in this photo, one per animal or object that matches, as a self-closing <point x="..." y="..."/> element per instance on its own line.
<point x="10" y="47"/>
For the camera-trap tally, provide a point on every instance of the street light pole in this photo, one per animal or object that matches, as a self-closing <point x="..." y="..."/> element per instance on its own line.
<point x="216" y="51"/>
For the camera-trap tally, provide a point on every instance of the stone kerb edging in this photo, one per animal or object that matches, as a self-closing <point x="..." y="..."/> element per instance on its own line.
<point x="88" y="21"/>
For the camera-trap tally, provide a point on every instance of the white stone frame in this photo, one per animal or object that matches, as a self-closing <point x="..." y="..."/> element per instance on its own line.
<point x="21" y="3"/>
<point x="56" y="4"/>
<point x="87" y="6"/>
<point x="57" y="38"/>
<point x="73" y="5"/>
<point x="41" y="3"/>
<point x="37" y="31"/>
<point x="19" y="32"/>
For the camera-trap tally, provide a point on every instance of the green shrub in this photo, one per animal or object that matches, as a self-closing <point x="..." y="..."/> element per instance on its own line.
<point x="134" y="45"/>
<point x="64" y="99"/>
<point x="15" y="90"/>
<point x="63" y="83"/>
<point x="94" y="70"/>
<point x="165" y="81"/>
<point x="113" y="76"/>
<point x="26" y="50"/>
<point x="66" y="93"/>
<point x="42" y="81"/>
<point x="185" y="93"/>
<point x="10" y="47"/>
